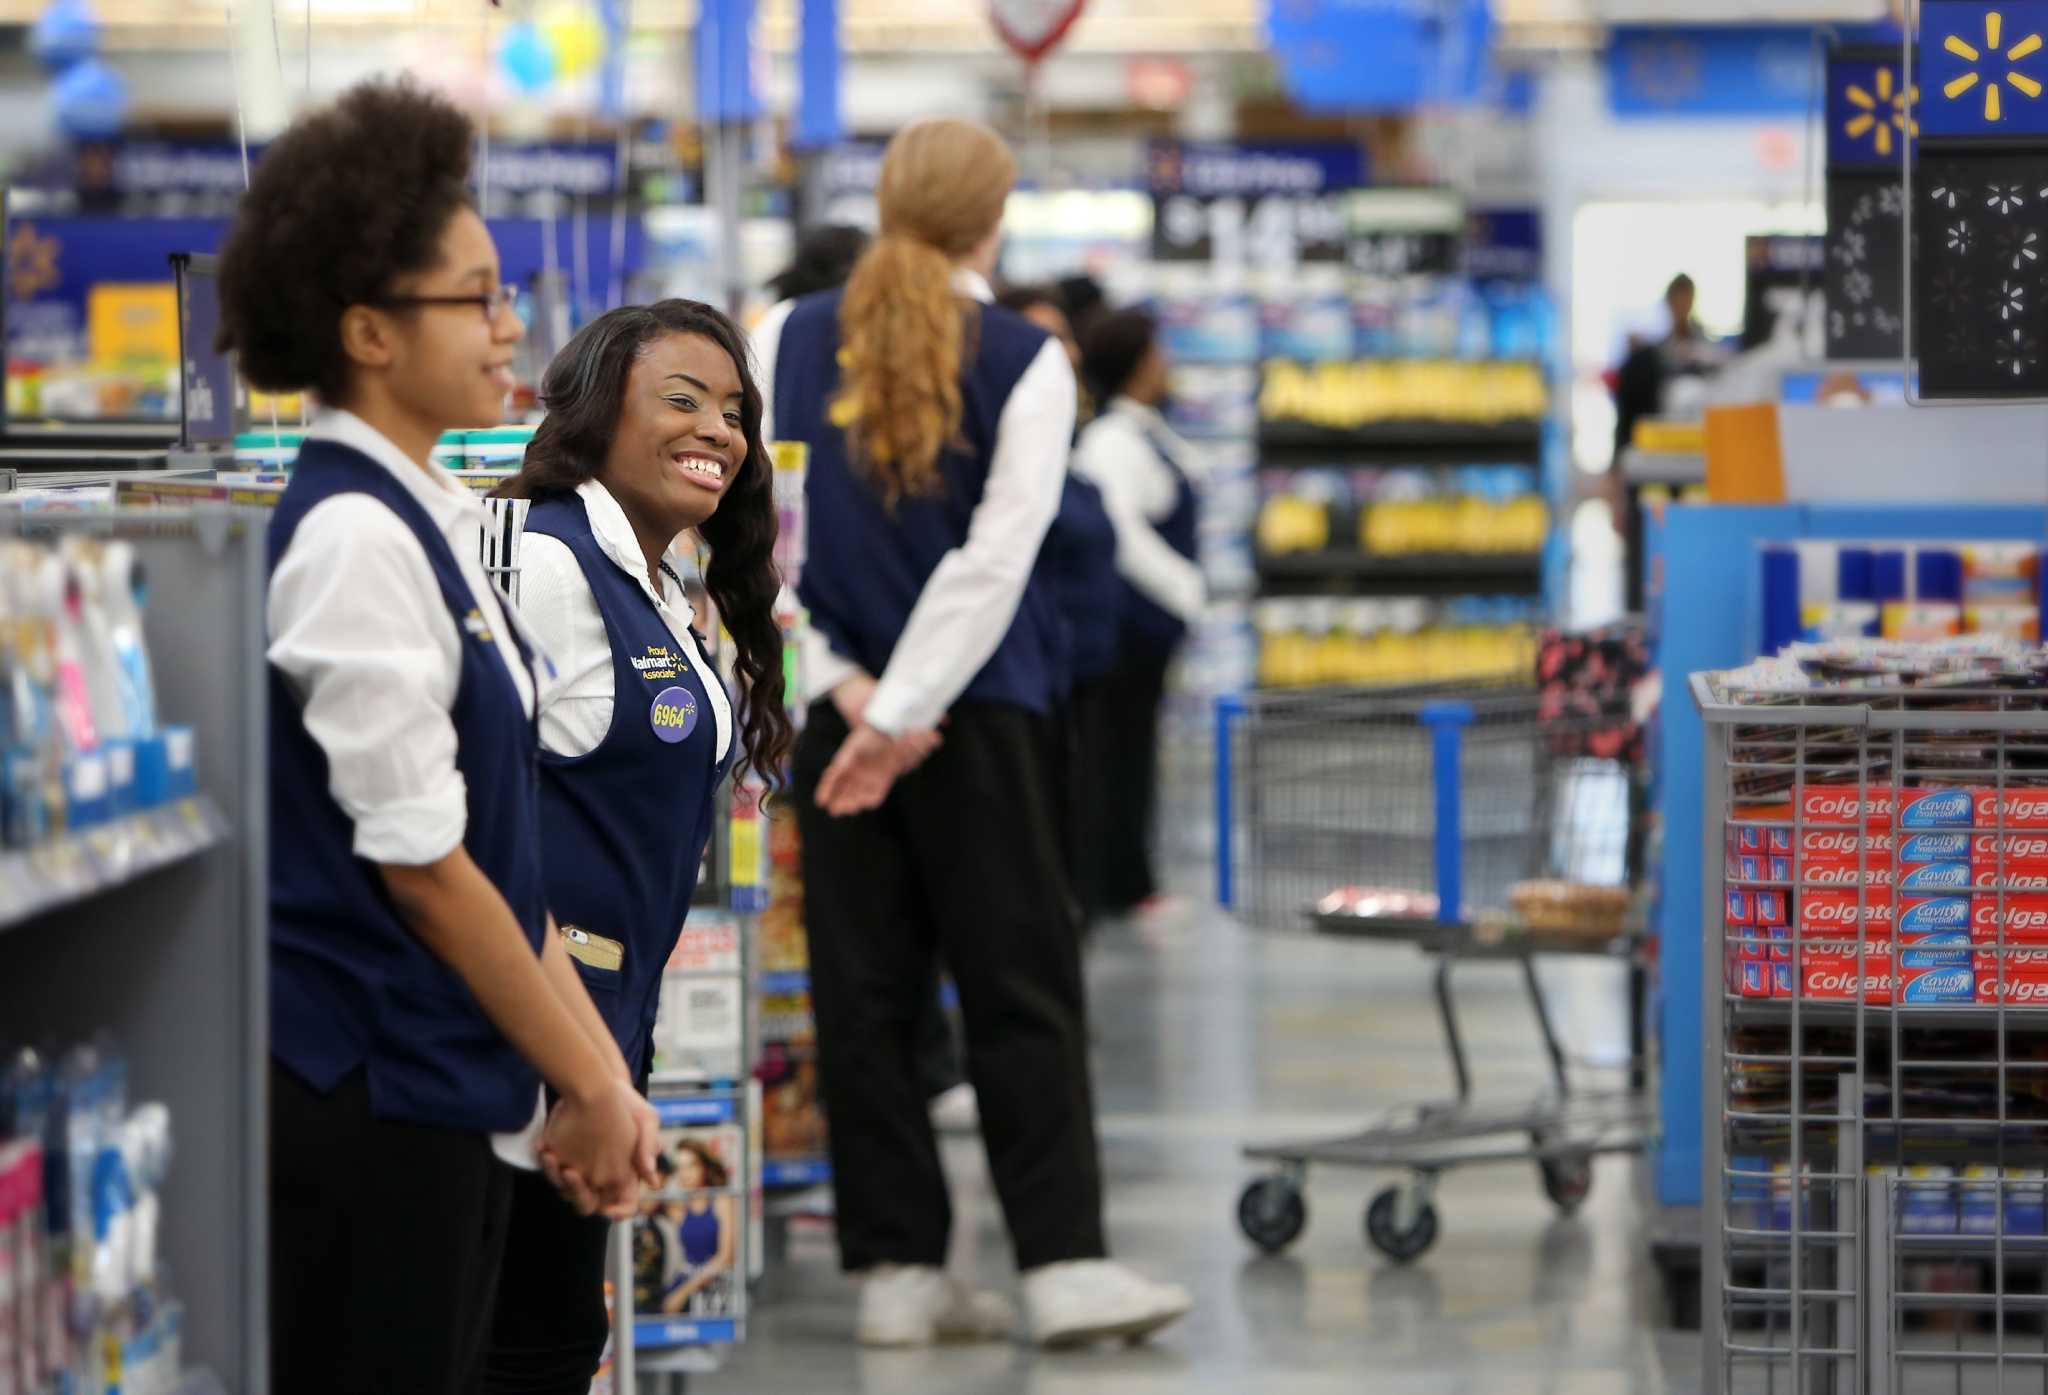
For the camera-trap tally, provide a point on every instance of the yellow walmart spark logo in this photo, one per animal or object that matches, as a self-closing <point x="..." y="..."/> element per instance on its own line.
<point x="1994" y="38"/>
<point x="1878" y="116"/>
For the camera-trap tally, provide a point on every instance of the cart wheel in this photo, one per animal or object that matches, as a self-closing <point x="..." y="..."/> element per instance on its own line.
<point x="1400" y="1246"/>
<point x="1272" y="1213"/>
<point x="1567" y="1181"/>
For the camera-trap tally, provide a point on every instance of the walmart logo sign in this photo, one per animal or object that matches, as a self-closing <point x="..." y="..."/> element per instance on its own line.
<point x="1870" y="111"/>
<point x="1985" y="68"/>
<point x="1878" y="116"/>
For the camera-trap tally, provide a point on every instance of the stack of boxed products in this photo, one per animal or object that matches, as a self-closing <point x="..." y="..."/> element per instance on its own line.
<point x="1928" y="887"/>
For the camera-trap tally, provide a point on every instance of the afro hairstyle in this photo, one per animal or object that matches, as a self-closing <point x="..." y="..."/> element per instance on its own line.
<point x="349" y="199"/>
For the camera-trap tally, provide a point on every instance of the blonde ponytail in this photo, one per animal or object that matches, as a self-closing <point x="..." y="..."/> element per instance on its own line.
<point x="904" y="332"/>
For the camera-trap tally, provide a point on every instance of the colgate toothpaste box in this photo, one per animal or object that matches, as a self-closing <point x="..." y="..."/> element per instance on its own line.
<point x="1781" y="980"/>
<point x="1770" y="906"/>
<point x="2016" y="990"/>
<point x="1935" y="878"/>
<point x="1781" y="948"/>
<point x="1918" y="849"/>
<point x="2024" y="919"/>
<point x="1749" y="978"/>
<point x="1847" y="913"/>
<point x="1943" y="985"/>
<point x="1878" y="876"/>
<point x="2025" y="807"/>
<point x="1748" y="941"/>
<point x="1834" y="981"/>
<point x="1845" y="846"/>
<point x="1747" y="867"/>
<point x="1848" y="806"/>
<point x="1741" y="906"/>
<point x="2020" y="961"/>
<point x="2021" y="877"/>
<point x="1944" y="808"/>
<point x="1939" y="949"/>
<point x="1920" y="915"/>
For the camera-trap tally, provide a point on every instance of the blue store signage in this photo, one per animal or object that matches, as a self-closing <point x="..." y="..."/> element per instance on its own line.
<point x="1869" y="110"/>
<point x="1985" y="68"/>
<point x="1717" y="70"/>
<point x="1377" y="55"/>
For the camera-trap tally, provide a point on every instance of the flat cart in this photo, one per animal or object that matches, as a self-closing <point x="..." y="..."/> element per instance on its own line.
<point x="1419" y="817"/>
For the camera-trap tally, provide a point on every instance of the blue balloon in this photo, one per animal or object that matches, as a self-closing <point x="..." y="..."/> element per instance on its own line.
<point x="64" y="34"/>
<point x="527" y="58"/>
<point x="90" y="100"/>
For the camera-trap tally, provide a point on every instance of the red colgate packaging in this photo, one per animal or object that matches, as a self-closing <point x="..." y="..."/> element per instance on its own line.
<point x="1741" y="907"/>
<point x="1771" y="906"/>
<point x="2015" y="860"/>
<point x="2019" y="960"/>
<point x="1842" y="847"/>
<point x="1781" y="949"/>
<point x="2024" y="989"/>
<point x="1748" y="940"/>
<point x="1878" y="876"/>
<point x="2024" y="919"/>
<point x="1749" y="978"/>
<point x="1844" y="914"/>
<point x="2025" y="807"/>
<point x="1848" y="806"/>
<point x="1835" y="981"/>
<point x="2019" y="877"/>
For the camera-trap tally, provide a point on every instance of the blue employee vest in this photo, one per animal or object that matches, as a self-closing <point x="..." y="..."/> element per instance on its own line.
<point x="351" y="985"/>
<point x="864" y="564"/>
<point x="1080" y="550"/>
<point x="623" y="827"/>
<point x="1148" y="624"/>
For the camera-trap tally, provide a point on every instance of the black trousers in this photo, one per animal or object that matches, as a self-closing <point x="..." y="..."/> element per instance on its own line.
<point x="1126" y="715"/>
<point x="550" y="1328"/>
<point x="961" y="858"/>
<point x="385" y="1244"/>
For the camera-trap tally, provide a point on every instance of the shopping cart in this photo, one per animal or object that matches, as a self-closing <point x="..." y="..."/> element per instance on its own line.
<point x="1424" y="816"/>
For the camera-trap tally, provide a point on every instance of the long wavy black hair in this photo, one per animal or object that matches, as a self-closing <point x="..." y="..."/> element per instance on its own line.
<point x="583" y="391"/>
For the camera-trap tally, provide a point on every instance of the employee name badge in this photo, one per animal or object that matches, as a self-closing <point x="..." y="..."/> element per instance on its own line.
<point x="674" y="714"/>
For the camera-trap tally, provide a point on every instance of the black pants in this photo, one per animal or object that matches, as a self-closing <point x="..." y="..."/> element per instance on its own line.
<point x="1126" y="713"/>
<point x="961" y="857"/>
<point x="1079" y="782"/>
<point x="385" y="1243"/>
<point x="550" y="1328"/>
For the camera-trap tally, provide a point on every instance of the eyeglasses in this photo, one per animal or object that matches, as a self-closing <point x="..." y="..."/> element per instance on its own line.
<point x="492" y="305"/>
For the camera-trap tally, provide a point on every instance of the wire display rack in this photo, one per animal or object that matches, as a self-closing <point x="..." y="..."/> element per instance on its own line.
<point x="1426" y="817"/>
<point x="1876" y="933"/>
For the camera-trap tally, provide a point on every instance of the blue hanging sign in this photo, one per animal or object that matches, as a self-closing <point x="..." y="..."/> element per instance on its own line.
<point x="1869" y="111"/>
<point x="725" y="62"/>
<point x="1985" y="68"/>
<point x="1710" y="70"/>
<point x="1380" y="55"/>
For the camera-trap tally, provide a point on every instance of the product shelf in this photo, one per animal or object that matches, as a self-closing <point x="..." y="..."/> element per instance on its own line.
<point x="78" y="866"/>
<point x="1463" y="572"/>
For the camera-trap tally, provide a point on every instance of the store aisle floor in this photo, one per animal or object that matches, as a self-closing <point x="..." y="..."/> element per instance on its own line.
<point x="1211" y="1035"/>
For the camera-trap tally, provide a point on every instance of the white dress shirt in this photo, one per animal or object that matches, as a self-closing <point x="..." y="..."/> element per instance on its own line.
<point x="971" y="597"/>
<point x="359" y="628"/>
<point x="1119" y="455"/>
<point x="556" y="601"/>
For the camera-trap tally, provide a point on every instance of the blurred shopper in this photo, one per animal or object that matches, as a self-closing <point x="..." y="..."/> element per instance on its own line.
<point x="1080" y="550"/>
<point x="825" y="257"/>
<point x="653" y="428"/>
<point x="419" y="993"/>
<point x="936" y="429"/>
<point x="1142" y="468"/>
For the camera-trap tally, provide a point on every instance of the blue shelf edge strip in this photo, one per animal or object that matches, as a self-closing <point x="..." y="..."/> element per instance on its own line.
<point x="651" y="1334"/>
<point x="786" y="982"/>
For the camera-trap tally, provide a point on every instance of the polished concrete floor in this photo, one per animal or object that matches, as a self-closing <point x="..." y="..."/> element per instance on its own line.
<point x="1209" y="1035"/>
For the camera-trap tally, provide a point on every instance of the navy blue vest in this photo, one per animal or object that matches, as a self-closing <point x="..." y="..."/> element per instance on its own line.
<point x="623" y="827"/>
<point x="1147" y="624"/>
<point x="351" y="986"/>
<point x="1080" y="550"/>
<point x="864" y="565"/>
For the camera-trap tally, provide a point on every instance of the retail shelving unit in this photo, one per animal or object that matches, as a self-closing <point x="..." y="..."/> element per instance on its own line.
<point x="151" y="929"/>
<point x="1876" y="1139"/>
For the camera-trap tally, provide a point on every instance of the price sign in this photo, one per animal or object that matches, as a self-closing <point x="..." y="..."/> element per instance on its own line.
<point x="1252" y="206"/>
<point x="1405" y="232"/>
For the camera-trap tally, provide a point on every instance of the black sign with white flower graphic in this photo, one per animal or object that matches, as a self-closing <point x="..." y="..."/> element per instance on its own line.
<point x="1980" y="282"/>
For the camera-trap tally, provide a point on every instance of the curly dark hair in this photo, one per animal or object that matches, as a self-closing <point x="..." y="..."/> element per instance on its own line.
<point x="350" y="198"/>
<point x="583" y="391"/>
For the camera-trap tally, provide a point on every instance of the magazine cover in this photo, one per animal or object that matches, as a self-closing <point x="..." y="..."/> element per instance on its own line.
<point x="689" y="1243"/>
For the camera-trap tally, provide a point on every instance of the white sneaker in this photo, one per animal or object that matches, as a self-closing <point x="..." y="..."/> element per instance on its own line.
<point x="915" y="1305"/>
<point x="956" y="1110"/>
<point x="1091" y="1300"/>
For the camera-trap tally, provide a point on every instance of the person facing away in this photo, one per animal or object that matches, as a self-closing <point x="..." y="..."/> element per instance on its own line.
<point x="936" y="429"/>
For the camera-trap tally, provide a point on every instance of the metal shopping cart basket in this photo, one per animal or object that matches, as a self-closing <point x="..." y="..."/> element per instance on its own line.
<point x="1474" y="825"/>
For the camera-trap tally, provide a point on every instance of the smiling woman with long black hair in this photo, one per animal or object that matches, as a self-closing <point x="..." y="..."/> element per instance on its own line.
<point x="653" y="428"/>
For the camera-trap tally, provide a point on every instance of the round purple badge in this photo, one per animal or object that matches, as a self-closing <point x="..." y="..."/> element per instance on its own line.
<point x="674" y="715"/>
